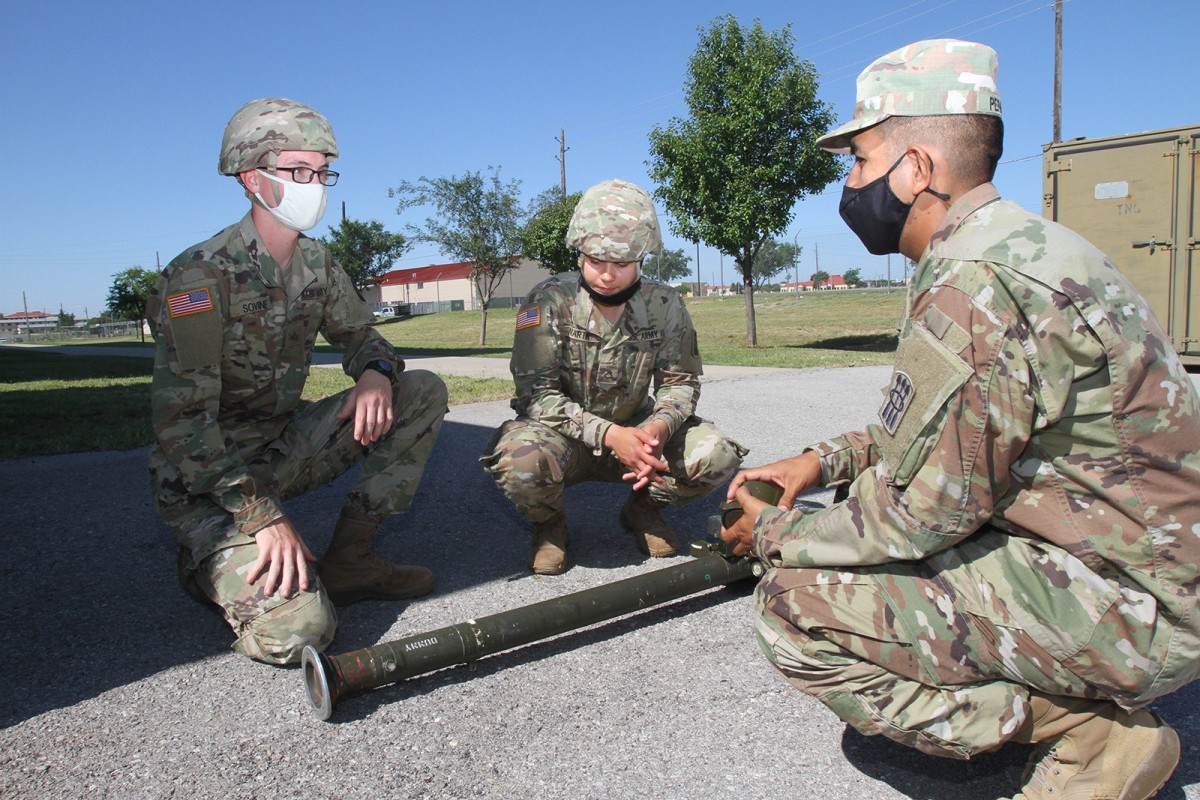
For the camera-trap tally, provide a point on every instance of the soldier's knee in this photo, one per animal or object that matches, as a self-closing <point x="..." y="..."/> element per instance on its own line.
<point x="724" y="460"/>
<point x="710" y="458"/>
<point x="526" y="477"/>
<point x="280" y="634"/>
<point x="520" y="461"/>
<point x="420" y="386"/>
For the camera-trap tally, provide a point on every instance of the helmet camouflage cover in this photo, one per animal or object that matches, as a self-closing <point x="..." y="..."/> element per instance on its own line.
<point x="927" y="78"/>
<point x="259" y="130"/>
<point x="615" y="221"/>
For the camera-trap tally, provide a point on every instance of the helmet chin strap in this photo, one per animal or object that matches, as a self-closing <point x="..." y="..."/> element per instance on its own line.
<point x="620" y="298"/>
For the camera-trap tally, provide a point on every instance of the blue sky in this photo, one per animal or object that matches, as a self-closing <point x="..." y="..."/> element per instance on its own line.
<point x="111" y="114"/>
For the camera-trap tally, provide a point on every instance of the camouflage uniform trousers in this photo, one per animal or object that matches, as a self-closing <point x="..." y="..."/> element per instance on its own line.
<point x="314" y="449"/>
<point x="923" y="652"/>
<point x="533" y="465"/>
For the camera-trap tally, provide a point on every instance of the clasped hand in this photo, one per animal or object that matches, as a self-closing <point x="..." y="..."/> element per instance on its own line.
<point x="639" y="449"/>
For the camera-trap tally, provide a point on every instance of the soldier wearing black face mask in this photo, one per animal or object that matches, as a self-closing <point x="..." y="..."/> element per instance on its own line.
<point x="876" y="215"/>
<point x="1016" y="555"/>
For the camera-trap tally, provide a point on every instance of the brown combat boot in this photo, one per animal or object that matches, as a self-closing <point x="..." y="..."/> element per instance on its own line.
<point x="548" y="550"/>
<point x="350" y="570"/>
<point x="1095" y="750"/>
<point x="643" y="516"/>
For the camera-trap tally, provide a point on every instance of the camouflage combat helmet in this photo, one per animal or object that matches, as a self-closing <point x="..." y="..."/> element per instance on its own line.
<point x="615" y="221"/>
<point x="927" y="78"/>
<point x="259" y="130"/>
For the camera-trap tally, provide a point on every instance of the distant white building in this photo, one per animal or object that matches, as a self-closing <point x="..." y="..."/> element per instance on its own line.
<point x="448" y="287"/>
<point x="21" y="323"/>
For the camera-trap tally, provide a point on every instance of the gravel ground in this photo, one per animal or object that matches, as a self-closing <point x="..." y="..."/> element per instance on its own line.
<point x="116" y="685"/>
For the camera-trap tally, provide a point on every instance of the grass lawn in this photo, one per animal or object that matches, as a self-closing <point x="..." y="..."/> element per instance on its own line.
<point x="51" y="403"/>
<point x="819" y="329"/>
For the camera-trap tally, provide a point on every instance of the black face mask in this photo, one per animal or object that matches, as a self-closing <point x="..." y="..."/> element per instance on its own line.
<point x="617" y="299"/>
<point x="876" y="215"/>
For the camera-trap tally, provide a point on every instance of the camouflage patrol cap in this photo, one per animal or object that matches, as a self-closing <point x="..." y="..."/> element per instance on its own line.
<point x="259" y="130"/>
<point x="615" y="221"/>
<point x="936" y="76"/>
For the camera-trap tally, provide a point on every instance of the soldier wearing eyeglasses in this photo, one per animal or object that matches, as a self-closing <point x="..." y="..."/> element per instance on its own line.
<point x="235" y="319"/>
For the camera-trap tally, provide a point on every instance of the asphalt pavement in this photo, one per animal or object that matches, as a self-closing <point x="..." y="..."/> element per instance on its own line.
<point x="114" y="684"/>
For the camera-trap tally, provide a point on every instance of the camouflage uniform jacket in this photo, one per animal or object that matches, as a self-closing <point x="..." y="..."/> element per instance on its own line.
<point x="234" y="340"/>
<point x="578" y="375"/>
<point x="1034" y="394"/>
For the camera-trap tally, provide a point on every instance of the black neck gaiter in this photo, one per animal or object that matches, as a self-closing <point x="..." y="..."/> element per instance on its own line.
<point x="620" y="298"/>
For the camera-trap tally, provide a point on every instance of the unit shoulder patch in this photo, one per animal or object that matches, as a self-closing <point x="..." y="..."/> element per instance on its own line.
<point x="896" y="402"/>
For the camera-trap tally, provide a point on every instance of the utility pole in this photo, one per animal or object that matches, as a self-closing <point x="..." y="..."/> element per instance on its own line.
<point x="562" y="159"/>
<point x="1057" y="71"/>
<point x="796" y="262"/>
<point x="343" y="211"/>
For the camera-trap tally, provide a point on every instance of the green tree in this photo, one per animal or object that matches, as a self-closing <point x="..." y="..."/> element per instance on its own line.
<point x="543" y="236"/>
<point x="851" y="277"/>
<point x="479" y="221"/>
<point x="773" y="258"/>
<point x="731" y="174"/>
<point x="819" y="277"/>
<point x="667" y="266"/>
<point x="128" y="294"/>
<point x="65" y="320"/>
<point x="364" y="249"/>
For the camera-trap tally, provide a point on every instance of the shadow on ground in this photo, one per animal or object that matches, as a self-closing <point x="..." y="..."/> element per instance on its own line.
<point x="994" y="774"/>
<point x="870" y="343"/>
<point x="88" y="582"/>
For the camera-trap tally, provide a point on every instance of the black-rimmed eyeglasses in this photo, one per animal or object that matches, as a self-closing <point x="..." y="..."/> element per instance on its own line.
<point x="305" y="174"/>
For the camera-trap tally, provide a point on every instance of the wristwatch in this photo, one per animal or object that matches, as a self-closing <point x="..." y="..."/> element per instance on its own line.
<point x="383" y="367"/>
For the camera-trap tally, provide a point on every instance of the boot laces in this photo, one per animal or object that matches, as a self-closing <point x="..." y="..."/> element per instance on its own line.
<point x="1046" y="772"/>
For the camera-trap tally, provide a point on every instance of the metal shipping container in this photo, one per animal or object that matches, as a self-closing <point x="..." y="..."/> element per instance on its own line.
<point x="1134" y="196"/>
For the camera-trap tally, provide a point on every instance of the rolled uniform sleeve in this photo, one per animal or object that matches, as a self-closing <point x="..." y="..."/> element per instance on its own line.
<point x="186" y="395"/>
<point x="959" y="411"/>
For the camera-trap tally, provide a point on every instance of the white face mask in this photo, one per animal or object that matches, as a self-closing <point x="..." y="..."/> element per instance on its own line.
<point x="302" y="206"/>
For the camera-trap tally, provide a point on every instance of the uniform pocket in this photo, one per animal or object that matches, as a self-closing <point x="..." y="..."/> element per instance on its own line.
<point x="250" y="363"/>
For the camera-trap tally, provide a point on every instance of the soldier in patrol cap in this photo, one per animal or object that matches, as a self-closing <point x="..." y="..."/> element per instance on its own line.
<point x="607" y="375"/>
<point x="234" y="320"/>
<point x="1013" y="551"/>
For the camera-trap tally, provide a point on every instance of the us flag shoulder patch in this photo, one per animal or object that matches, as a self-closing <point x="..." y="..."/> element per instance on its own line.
<point x="899" y="395"/>
<point x="529" y="317"/>
<point x="194" y="302"/>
